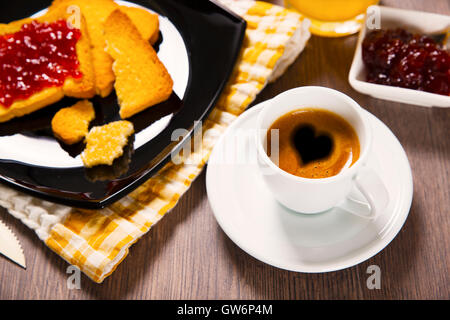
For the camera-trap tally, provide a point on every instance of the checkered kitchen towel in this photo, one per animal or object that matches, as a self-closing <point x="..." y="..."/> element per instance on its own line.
<point x="98" y="240"/>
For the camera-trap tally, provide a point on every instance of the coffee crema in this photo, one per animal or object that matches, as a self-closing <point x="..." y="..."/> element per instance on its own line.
<point x="314" y="143"/>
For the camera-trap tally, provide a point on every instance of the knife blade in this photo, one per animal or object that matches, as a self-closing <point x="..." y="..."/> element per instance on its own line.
<point x="10" y="247"/>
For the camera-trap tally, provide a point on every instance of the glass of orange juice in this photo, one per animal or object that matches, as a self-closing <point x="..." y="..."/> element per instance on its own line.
<point x="332" y="18"/>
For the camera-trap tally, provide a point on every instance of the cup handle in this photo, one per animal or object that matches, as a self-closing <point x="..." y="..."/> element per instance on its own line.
<point x="375" y="192"/>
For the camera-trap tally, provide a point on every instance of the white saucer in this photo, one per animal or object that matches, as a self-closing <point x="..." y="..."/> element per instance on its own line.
<point x="250" y="216"/>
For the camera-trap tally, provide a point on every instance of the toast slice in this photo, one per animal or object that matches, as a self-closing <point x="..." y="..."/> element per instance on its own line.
<point x="71" y="124"/>
<point x="141" y="78"/>
<point x="79" y="88"/>
<point x="96" y="12"/>
<point x="146" y="22"/>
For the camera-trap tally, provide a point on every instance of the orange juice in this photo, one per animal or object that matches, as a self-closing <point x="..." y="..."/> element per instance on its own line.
<point x="332" y="17"/>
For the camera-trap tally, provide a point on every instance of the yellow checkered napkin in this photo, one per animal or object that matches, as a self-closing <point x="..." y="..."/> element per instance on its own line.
<point x="97" y="241"/>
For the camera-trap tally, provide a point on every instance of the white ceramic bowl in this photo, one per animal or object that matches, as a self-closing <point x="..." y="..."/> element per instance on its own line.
<point x="413" y="21"/>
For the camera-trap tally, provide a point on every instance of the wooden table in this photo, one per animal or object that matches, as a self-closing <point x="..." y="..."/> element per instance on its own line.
<point x="187" y="255"/>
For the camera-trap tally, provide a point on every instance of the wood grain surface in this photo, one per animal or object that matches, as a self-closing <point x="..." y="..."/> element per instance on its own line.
<point x="188" y="256"/>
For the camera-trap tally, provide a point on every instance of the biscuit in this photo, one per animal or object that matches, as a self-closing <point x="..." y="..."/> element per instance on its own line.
<point x="71" y="124"/>
<point x="106" y="143"/>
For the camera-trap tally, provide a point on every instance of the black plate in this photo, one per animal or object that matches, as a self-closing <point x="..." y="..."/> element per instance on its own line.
<point x="212" y="38"/>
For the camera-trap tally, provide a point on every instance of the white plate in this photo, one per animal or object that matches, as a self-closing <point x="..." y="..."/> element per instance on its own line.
<point x="413" y="21"/>
<point x="333" y="240"/>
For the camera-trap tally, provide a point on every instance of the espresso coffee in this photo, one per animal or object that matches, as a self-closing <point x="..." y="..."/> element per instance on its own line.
<point x="314" y="143"/>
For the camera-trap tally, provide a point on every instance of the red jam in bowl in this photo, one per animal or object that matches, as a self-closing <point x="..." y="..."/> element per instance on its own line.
<point x="402" y="59"/>
<point x="38" y="56"/>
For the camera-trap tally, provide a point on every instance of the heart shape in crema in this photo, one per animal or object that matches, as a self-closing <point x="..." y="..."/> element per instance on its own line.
<point x="310" y="146"/>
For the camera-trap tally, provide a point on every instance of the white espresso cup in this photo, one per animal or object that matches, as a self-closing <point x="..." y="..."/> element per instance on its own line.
<point x="318" y="195"/>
